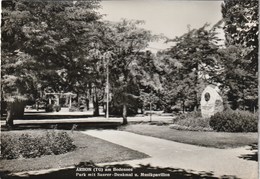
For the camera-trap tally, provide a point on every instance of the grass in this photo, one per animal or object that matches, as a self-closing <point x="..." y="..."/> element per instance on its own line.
<point x="88" y="149"/>
<point x="207" y="139"/>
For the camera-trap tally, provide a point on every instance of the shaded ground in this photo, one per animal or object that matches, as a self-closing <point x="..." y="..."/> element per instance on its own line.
<point x="207" y="139"/>
<point x="88" y="149"/>
<point x="66" y="120"/>
<point x="253" y="155"/>
<point x="61" y="124"/>
<point x="147" y="170"/>
<point x="33" y="116"/>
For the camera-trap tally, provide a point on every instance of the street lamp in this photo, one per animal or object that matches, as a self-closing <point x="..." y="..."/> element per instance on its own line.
<point x="107" y="56"/>
<point x="107" y="89"/>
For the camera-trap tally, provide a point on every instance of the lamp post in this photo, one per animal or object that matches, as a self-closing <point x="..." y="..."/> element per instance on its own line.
<point x="107" y="89"/>
<point x="107" y="56"/>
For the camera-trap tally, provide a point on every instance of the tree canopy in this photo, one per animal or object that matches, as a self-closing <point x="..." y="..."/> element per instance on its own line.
<point x="41" y="41"/>
<point x="66" y="46"/>
<point x="188" y="64"/>
<point x="127" y="42"/>
<point x="241" y="28"/>
<point x="241" y="53"/>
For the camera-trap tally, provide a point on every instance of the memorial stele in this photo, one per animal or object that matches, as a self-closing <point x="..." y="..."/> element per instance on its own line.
<point x="211" y="102"/>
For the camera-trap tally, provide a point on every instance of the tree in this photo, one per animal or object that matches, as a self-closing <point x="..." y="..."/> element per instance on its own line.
<point x="191" y="62"/>
<point x="131" y="41"/>
<point x="149" y="81"/>
<point x="241" y="28"/>
<point x="41" y="40"/>
<point x="239" y="85"/>
<point x="149" y="99"/>
<point x="125" y="42"/>
<point x="241" y="53"/>
<point x="17" y="83"/>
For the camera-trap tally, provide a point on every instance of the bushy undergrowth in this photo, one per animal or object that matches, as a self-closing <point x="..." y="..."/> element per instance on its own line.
<point x="189" y="115"/>
<point x="29" y="146"/>
<point x="191" y="121"/>
<point x="234" y="121"/>
<point x="51" y="108"/>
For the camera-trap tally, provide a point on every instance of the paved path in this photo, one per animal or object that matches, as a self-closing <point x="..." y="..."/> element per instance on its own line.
<point x="165" y="153"/>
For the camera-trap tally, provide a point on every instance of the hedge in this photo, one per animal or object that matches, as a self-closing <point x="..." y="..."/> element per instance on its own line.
<point x="29" y="146"/>
<point x="234" y="121"/>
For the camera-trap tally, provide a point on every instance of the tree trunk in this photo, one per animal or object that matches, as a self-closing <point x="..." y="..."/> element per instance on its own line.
<point x="196" y="102"/>
<point x="142" y="110"/>
<point x="10" y="115"/>
<point x="96" y="104"/>
<point x="124" y="114"/>
<point x="87" y="103"/>
<point x="78" y="99"/>
<point x="183" y="106"/>
<point x="150" y="112"/>
<point x="96" y="108"/>
<point x="18" y="109"/>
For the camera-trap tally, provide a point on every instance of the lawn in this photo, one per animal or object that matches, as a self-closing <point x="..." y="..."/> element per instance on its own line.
<point x="207" y="139"/>
<point x="88" y="149"/>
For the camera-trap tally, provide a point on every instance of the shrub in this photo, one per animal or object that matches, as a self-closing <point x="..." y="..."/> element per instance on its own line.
<point x="234" y="121"/>
<point x="191" y="121"/>
<point x="28" y="146"/>
<point x="73" y="109"/>
<point x="60" y="143"/>
<point x="57" y="108"/>
<point x="185" y="116"/>
<point x="51" y="108"/>
<point x="9" y="147"/>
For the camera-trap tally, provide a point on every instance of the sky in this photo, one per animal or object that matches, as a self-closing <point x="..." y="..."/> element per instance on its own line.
<point x="167" y="17"/>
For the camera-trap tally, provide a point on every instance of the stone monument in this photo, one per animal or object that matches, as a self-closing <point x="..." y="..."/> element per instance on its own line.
<point x="211" y="102"/>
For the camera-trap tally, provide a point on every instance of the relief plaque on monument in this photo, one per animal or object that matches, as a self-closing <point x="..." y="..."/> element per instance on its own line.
<point x="211" y="102"/>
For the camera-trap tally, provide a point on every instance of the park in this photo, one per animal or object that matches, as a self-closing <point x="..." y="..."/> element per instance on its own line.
<point x="127" y="89"/>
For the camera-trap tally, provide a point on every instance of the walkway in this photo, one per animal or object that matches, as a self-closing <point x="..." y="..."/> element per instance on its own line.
<point x="166" y="153"/>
